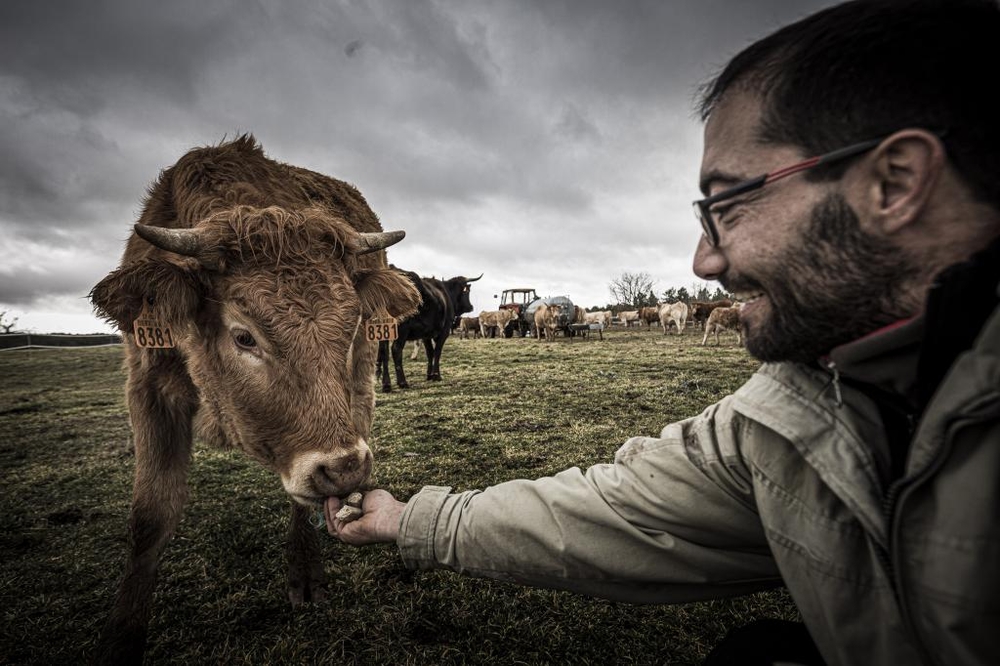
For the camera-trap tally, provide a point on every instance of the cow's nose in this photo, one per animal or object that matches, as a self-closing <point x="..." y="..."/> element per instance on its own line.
<point x="317" y="474"/>
<point x="342" y="474"/>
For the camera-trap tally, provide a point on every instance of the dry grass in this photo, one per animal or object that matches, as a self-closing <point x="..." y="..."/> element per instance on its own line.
<point x="506" y="409"/>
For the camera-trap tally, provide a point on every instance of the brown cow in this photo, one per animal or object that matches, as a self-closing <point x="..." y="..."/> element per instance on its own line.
<point x="547" y="320"/>
<point x="469" y="324"/>
<point x="699" y="310"/>
<point x="724" y="319"/>
<point x="649" y="315"/>
<point x="255" y="279"/>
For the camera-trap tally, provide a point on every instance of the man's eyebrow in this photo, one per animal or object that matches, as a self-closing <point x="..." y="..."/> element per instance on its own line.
<point x="721" y="177"/>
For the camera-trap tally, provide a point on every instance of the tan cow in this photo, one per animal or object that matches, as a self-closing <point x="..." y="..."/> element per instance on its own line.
<point x="243" y="295"/>
<point x="699" y="310"/>
<point x="547" y="320"/>
<point x="724" y="319"/>
<point x="676" y="313"/>
<point x="495" y="320"/>
<point x="603" y="318"/>
<point x="628" y="317"/>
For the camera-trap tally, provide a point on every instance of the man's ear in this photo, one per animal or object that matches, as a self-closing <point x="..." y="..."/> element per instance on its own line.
<point x="906" y="168"/>
<point x="386" y="290"/>
<point x="171" y="291"/>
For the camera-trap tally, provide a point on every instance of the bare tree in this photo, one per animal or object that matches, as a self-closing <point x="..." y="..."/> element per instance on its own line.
<point x="631" y="289"/>
<point x="5" y="324"/>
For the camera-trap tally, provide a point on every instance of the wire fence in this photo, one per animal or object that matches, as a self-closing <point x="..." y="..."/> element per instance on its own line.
<point x="14" y="341"/>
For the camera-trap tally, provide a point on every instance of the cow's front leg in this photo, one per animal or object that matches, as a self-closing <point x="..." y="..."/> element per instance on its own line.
<point x="381" y="364"/>
<point x="397" y="362"/>
<point x="306" y="577"/>
<point x="433" y="358"/>
<point x="162" y="409"/>
<point x="434" y="365"/>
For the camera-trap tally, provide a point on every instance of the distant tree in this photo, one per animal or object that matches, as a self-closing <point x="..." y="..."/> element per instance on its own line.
<point x="670" y="295"/>
<point x="6" y="324"/>
<point x="683" y="295"/>
<point x="700" y="292"/>
<point x="721" y="294"/>
<point x="631" y="289"/>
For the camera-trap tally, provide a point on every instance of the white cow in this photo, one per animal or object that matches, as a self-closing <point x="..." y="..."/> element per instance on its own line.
<point x="674" y="312"/>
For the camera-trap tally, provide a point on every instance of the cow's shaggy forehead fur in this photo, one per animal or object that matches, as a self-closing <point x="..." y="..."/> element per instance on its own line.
<point x="272" y="237"/>
<point x="214" y="178"/>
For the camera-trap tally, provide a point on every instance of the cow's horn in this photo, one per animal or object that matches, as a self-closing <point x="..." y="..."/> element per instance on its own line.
<point x="181" y="241"/>
<point x="373" y="241"/>
<point x="475" y="278"/>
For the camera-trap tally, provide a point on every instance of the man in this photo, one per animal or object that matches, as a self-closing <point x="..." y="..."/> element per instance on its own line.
<point x="860" y="466"/>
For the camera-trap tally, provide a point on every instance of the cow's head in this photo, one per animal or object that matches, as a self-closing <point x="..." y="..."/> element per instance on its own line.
<point x="267" y="307"/>
<point x="458" y="289"/>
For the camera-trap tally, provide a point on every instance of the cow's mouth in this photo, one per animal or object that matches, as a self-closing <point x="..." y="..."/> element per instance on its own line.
<point x="310" y="501"/>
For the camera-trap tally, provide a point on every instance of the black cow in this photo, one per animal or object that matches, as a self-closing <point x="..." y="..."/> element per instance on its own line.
<point x="443" y="302"/>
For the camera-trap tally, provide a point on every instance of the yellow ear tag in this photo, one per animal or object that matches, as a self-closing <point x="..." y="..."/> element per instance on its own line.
<point x="381" y="327"/>
<point x="150" y="333"/>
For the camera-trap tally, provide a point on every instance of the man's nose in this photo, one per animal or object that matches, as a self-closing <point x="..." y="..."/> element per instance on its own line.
<point x="709" y="262"/>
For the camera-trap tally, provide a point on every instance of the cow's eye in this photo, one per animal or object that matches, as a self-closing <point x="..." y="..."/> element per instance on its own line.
<point x="244" y="340"/>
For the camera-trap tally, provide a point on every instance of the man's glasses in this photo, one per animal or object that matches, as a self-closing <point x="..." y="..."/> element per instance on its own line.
<point x="703" y="207"/>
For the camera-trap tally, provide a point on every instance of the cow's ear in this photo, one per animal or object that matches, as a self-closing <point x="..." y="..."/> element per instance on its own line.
<point x="172" y="292"/>
<point x="386" y="290"/>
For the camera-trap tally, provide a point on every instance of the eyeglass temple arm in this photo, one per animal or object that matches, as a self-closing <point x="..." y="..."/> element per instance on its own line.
<point x="834" y="156"/>
<point x="745" y="186"/>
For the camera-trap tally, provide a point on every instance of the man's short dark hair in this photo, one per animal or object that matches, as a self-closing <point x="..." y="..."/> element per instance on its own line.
<point x="867" y="68"/>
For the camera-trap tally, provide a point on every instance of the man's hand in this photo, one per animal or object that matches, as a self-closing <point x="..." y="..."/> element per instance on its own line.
<point x="379" y="524"/>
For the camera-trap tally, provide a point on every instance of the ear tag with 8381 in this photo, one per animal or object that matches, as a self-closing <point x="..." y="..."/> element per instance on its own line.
<point x="381" y="328"/>
<point x="150" y="333"/>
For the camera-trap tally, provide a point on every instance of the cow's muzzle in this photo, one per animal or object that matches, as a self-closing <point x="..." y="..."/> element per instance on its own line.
<point x="316" y="475"/>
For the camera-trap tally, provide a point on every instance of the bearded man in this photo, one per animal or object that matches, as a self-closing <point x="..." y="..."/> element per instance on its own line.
<point x="851" y="175"/>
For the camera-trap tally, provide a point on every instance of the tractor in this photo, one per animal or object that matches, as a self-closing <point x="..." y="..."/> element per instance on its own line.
<point x="524" y="302"/>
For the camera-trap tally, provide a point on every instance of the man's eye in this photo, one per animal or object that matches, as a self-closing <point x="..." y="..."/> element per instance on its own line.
<point x="720" y="210"/>
<point x="244" y="340"/>
<point x="725" y="215"/>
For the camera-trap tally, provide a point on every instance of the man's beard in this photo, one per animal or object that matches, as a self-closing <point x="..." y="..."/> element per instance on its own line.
<point x="836" y="284"/>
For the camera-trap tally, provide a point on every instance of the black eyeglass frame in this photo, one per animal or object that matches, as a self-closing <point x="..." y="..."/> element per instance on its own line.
<point x="702" y="207"/>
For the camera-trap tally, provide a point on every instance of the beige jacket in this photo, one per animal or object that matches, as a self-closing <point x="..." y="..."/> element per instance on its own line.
<point x="782" y="482"/>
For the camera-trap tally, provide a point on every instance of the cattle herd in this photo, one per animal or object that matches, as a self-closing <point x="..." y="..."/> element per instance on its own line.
<point x="712" y="317"/>
<point x="253" y="296"/>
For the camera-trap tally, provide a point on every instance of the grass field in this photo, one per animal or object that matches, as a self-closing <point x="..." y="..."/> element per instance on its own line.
<point x="506" y="409"/>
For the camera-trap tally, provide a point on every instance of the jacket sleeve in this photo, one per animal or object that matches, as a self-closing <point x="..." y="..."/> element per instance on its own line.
<point x="672" y="519"/>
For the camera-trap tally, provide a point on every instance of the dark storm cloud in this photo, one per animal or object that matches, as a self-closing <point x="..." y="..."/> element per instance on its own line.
<point x="486" y="129"/>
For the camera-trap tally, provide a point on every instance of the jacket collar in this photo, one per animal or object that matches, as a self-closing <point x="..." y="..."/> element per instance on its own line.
<point x="909" y="359"/>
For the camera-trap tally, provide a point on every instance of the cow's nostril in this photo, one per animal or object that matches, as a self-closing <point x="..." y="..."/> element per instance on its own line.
<point x="324" y="475"/>
<point x="340" y="475"/>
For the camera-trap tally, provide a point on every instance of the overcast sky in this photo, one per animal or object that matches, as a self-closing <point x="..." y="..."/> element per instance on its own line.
<point x="546" y="143"/>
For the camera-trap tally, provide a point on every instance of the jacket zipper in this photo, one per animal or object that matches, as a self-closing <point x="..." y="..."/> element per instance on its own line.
<point x="895" y="500"/>
<point x="832" y="367"/>
<point x="890" y="507"/>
